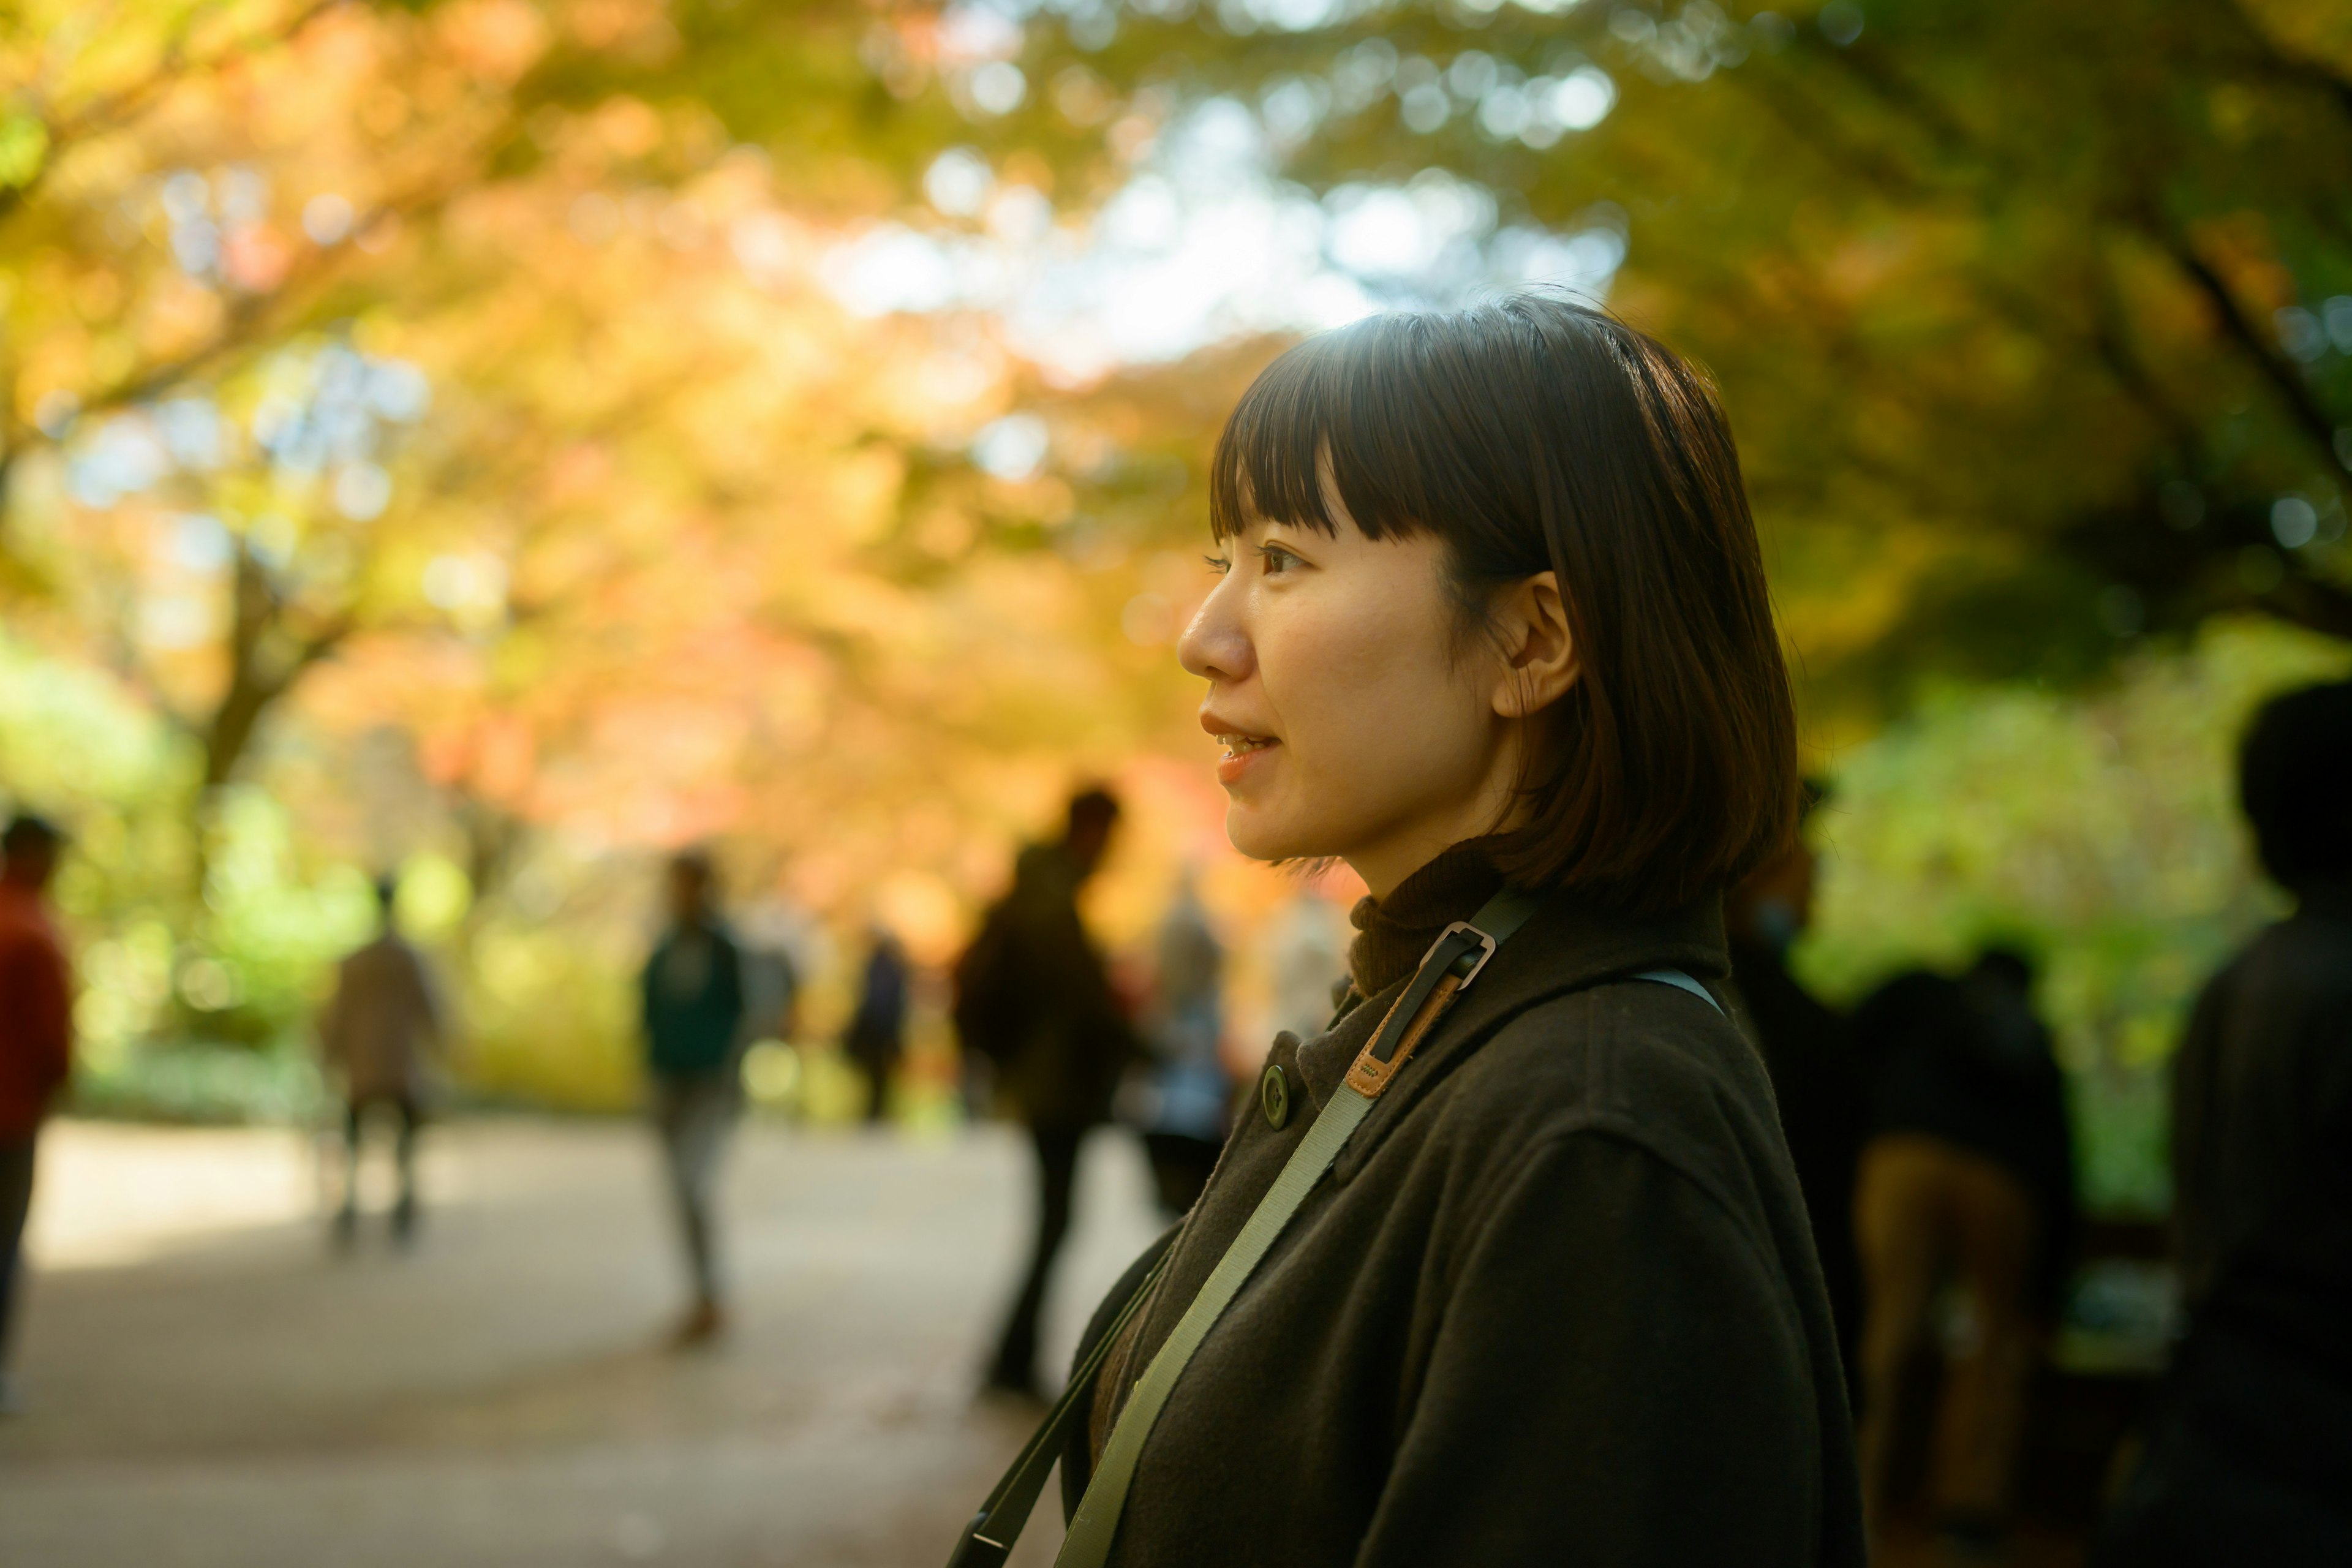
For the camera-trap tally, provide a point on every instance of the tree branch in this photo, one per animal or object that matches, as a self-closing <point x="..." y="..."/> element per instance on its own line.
<point x="2283" y="377"/>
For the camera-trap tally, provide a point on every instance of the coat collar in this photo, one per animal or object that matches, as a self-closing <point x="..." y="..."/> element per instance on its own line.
<point x="1569" y="942"/>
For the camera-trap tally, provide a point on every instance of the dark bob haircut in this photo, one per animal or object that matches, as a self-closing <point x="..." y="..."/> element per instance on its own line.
<point x="2295" y="780"/>
<point x="1533" y="435"/>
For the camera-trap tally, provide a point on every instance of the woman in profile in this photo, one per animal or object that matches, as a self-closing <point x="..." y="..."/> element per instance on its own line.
<point x="1491" y="629"/>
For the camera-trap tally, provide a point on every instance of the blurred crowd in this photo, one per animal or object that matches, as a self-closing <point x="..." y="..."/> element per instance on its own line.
<point x="1928" y="1127"/>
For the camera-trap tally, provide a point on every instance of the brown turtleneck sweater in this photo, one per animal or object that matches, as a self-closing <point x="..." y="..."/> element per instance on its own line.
<point x="1393" y="932"/>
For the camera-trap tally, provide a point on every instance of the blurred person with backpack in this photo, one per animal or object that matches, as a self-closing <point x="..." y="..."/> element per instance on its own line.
<point x="383" y="1019"/>
<point x="2248" y="1456"/>
<point x="693" y="1006"/>
<point x="1966" y="1172"/>
<point x="35" y="1040"/>
<point x="1031" y="994"/>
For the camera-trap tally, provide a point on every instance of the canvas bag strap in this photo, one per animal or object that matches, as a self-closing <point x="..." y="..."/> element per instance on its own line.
<point x="1451" y="964"/>
<point x="988" y="1540"/>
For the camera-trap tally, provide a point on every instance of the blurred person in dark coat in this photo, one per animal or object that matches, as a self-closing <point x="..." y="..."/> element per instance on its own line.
<point x="876" y="1036"/>
<point x="1967" y="1173"/>
<point x="383" y="1021"/>
<point x="2249" y="1453"/>
<point x="35" y="1040"/>
<point x="1034" y="996"/>
<point x="692" y="997"/>
<point x="1809" y="1057"/>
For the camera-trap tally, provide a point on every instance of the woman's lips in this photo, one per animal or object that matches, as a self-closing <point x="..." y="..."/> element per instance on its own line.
<point x="1241" y="752"/>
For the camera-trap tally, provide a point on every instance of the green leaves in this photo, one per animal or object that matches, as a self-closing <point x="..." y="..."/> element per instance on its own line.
<point x="24" y="148"/>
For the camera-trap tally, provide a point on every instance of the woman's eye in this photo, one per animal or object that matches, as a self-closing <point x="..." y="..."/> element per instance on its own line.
<point x="1277" y="560"/>
<point x="1219" y="564"/>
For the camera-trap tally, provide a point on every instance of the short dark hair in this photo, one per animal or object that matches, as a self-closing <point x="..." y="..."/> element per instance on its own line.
<point x="2294" y="782"/>
<point x="1534" y="434"/>
<point x="28" y="834"/>
<point x="1092" y="809"/>
<point x="2006" y="962"/>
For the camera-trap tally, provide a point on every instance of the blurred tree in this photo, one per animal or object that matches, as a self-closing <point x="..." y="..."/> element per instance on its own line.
<point x="449" y="373"/>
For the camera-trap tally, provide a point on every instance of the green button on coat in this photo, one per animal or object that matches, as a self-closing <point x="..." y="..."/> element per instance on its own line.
<point x="1273" y="1096"/>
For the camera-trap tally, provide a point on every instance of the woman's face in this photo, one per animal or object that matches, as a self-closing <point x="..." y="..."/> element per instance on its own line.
<point x="1354" y="725"/>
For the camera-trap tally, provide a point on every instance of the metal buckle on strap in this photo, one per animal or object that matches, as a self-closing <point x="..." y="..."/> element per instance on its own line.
<point x="1486" y="949"/>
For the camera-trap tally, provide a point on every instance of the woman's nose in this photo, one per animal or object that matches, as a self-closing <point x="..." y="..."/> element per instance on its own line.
<point x="1216" y="647"/>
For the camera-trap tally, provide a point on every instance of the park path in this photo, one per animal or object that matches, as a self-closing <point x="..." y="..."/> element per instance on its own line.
<point x="209" y="1387"/>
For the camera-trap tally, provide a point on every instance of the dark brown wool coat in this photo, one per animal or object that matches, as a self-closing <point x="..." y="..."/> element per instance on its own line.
<point x="1556" y="1301"/>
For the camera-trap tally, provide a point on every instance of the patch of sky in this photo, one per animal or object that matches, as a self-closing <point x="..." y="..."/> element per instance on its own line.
<point x="1581" y="99"/>
<point x="398" y="391"/>
<point x="186" y="196"/>
<point x="361" y="491"/>
<point x="1280" y="15"/>
<point x="327" y="218"/>
<point x="1472" y="75"/>
<point x="1013" y="447"/>
<point x="120" y="456"/>
<point x="244" y="195"/>
<point x="994" y="88"/>
<point x="2337" y="315"/>
<point x="1292" y="107"/>
<point x="193" y="432"/>
<point x="1361" y="75"/>
<point x="2294" y="522"/>
<point x="327" y="408"/>
<point x="1206" y="240"/>
<point x="958" y="181"/>
<point x="55" y="411"/>
<point x="200" y="544"/>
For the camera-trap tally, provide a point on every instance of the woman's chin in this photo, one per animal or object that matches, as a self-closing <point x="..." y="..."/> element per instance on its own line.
<point x="1263" y="834"/>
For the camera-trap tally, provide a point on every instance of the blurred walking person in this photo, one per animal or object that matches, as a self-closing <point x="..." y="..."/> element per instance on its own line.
<point x="693" y="1002"/>
<point x="1967" y="1173"/>
<point x="1033" y="995"/>
<point x="1807" y="1052"/>
<point x="36" y="1043"/>
<point x="1309" y="960"/>
<point x="2249" y="1453"/>
<point x="876" y="1037"/>
<point x="1188" y="1094"/>
<point x="383" y="1019"/>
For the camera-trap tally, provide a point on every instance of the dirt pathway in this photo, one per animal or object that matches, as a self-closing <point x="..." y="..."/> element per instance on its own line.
<point x="211" y="1386"/>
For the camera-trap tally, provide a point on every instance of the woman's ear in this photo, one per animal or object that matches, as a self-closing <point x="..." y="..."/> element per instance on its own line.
<point x="1539" y="664"/>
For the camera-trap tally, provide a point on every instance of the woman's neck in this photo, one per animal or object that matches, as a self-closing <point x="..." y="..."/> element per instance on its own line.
<point x="1395" y="932"/>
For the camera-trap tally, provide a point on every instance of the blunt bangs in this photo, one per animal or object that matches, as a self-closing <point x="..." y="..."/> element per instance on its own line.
<point x="1347" y="394"/>
<point x="1530" y="435"/>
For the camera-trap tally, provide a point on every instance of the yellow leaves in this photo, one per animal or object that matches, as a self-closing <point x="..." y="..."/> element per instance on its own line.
<point x="493" y="41"/>
<point x="177" y="315"/>
<point x="637" y="30"/>
<point x="627" y="127"/>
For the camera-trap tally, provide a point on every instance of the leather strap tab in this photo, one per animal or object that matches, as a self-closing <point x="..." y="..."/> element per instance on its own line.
<point x="1368" y="1074"/>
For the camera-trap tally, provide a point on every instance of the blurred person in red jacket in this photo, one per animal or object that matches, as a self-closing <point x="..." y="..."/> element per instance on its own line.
<point x="36" y="1038"/>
